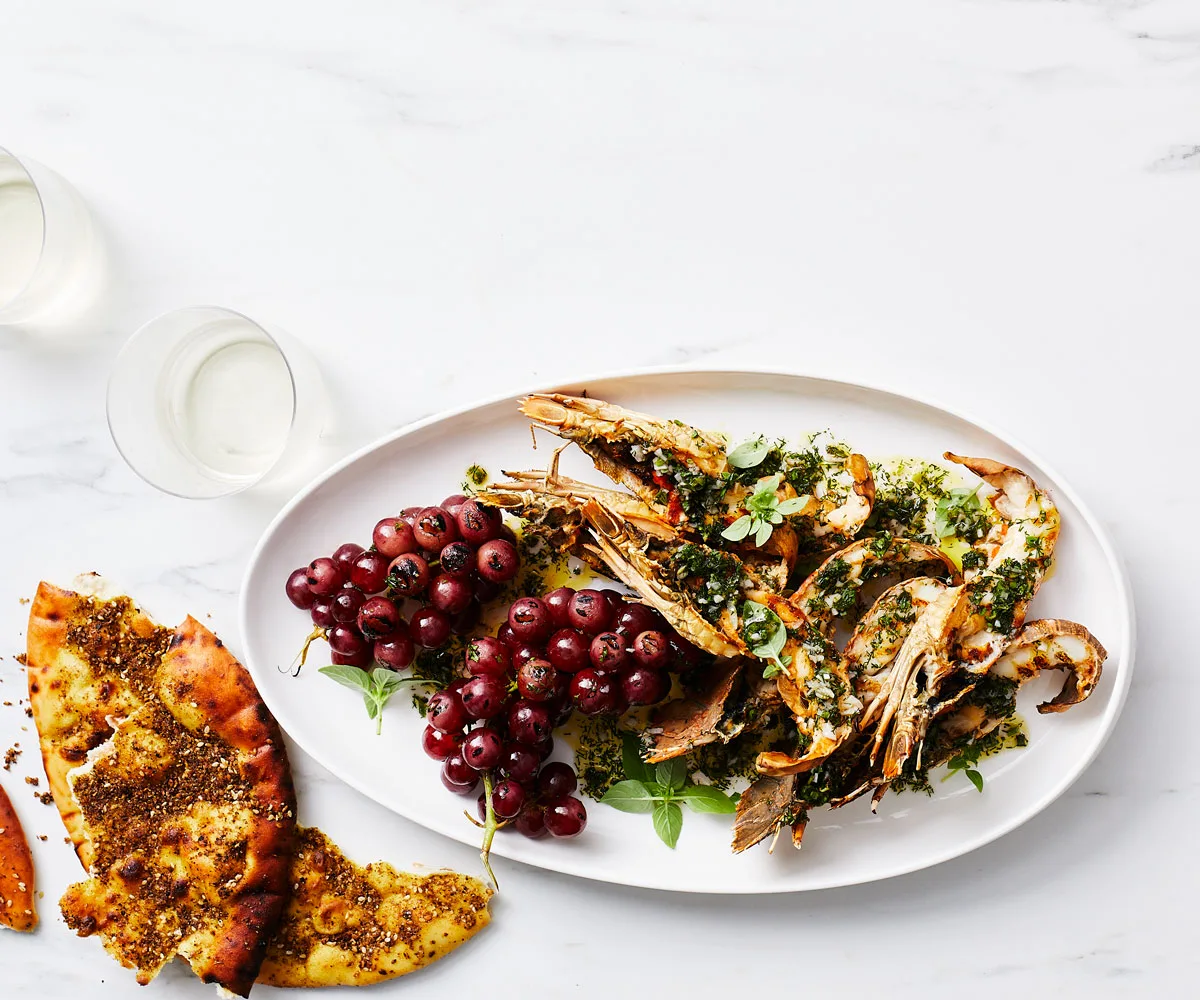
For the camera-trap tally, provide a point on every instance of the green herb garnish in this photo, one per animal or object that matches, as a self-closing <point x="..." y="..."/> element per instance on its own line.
<point x="960" y="513"/>
<point x="659" y="791"/>
<point x="749" y="454"/>
<point x="376" y="687"/>
<point x="764" y="511"/>
<point x="765" y="635"/>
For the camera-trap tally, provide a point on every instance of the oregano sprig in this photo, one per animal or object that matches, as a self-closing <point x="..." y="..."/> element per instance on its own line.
<point x="764" y="510"/>
<point x="765" y="635"/>
<point x="660" y="790"/>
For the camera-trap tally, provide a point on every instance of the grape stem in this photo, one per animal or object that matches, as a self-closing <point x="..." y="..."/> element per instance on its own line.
<point x="313" y="636"/>
<point x="490" y="826"/>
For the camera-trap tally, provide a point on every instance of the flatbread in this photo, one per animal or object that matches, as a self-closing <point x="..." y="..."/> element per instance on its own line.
<point x="185" y="815"/>
<point x="74" y="693"/>
<point x="350" y="926"/>
<point x="17" y="909"/>
<point x="342" y="925"/>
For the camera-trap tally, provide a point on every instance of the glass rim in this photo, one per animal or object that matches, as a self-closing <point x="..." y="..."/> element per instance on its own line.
<point x="130" y="344"/>
<point x="5" y="151"/>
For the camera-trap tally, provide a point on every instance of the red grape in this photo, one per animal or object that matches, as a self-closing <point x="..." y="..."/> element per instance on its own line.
<point x="477" y="523"/>
<point x="434" y="529"/>
<point x="323" y="577"/>
<point x="344" y="556"/>
<point x="486" y="655"/>
<point x="458" y="776"/>
<point x="453" y="504"/>
<point x="556" y="780"/>
<point x="408" y="575"/>
<point x="482" y="749"/>
<point x="396" y="651"/>
<point x="345" y="603"/>
<point x="369" y="572"/>
<point x="497" y="560"/>
<point x="378" y="618"/>
<point x="451" y="594"/>
<point x="651" y="649"/>
<point x="565" y="817"/>
<point x="298" y="590"/>
<point x="585" y="691"/>
<point x="393" y="536"/>
<point x="589" y="611"/>
<point x="439" y="745"/>
<point x="567" y="649"/>
<point x="507" y="636"/>
<point x="409" y="515"/>
<point x="529" y="618"/>
<point x="616" y="602"/>
<point x="445" y="711"/>
<point x="465" y="621"/>
<point x="362" y="658"/>
<point x="322" y="614"/>
<point x="347" y="640"/>
<point x="644" y="686"/>
<point x="429" y="627"/>
<point x="457" y="559"/>
<point x="607" y="651"/>
<point x="524" y="653"/>
<point x="557" y="601"/>
<point x="520" y="762"/>
<point x="529" y="722"/>
<point x="531" y="821"/>
<point x="633" y="619"/>
<point x="508" y="799"/>
<point x="484" y="697"/>
<point x="537" y="680"/>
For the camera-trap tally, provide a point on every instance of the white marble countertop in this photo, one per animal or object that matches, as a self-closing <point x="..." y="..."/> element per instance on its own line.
<point x="992" y="203"/>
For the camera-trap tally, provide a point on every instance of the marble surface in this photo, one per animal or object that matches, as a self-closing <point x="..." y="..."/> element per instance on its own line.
<point x="992" y="203"/>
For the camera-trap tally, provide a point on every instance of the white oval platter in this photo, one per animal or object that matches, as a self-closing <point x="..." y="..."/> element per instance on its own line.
<point x="425" y="461"/>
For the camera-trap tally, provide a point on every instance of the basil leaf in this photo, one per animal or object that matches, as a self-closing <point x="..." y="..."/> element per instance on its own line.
<point x="668" y="822"/>
<point x="373" y="706"/>
<point x="630" y="796"/>
<point x="739" y="529"/>
<point x="351" y="677"/>
<point x="748" y="454"/>
<point x="631" y="759"/>
<point x="976" y="779"/>
<point x="706" y="799"/>
<point x="671" y="773"/>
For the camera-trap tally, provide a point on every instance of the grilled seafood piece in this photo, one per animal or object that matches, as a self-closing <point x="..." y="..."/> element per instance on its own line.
<point x="1052" y="644"/>
<point x="844" y="516"/>
<point x="1045" y="644"/>
<point x="671" y="466"/>
<point x="764" y="809"/>
<point x="1017" y="551"/>
<point x="905" y="695"/>
<point x="882" y="630"/>
<point x="608" y="430"/>
<point x="815" y="687"/>
<point x="659" y="573"/>
<point x="694" y="719"/>
<point x="831" y="590"/>
<point x="549" y="483"/>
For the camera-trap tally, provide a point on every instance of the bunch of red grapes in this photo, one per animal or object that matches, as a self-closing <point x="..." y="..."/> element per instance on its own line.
<point x="451" y="559"/>
<point x="589" y="651"/>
